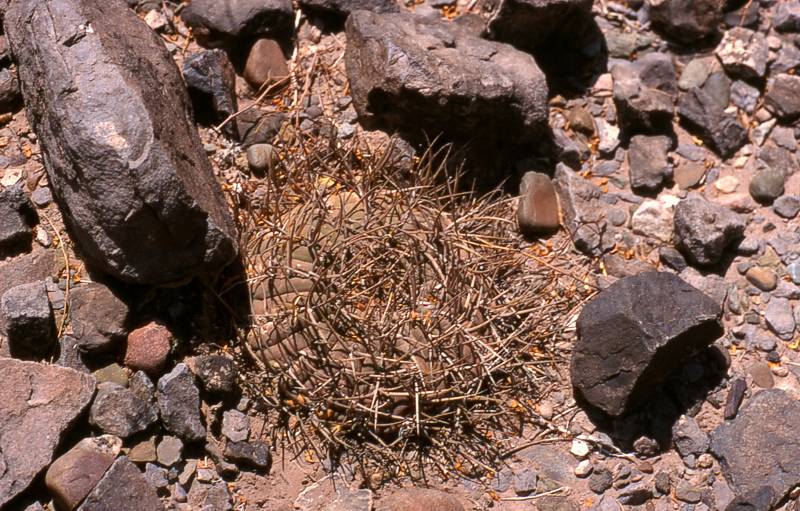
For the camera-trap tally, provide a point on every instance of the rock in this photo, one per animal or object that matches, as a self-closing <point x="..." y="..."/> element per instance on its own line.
<point x="216" y="373"/>
<point x="580" y="448"/>
<point x="70" y="356"/>
<point x="156" y="476"/>
<point x="672" y="258"/>
<point x="40" y="403"/>
<point x="424" y="78"/>
<point x="118" y="411"/>
<point x="634" y="333"/>
<point x="696" y="72"/>
<point x="720" y="129"/>
<point x="235" y="425"/>
<point x="262" y="158"/>
<point x="744" y="53"/>
<point x="581" y="210"/>
<point x="148" y="348"/>
<point x="169" y="451"/>
<point x="600" y="480"/>
<point x="265" y="64"/>
<point x="687" y="492"/>
<point x="779" y="318"/>
<point x="228" y="22"/>
<point x="340" y="9"/>
<point x="767" y="185"/>
<point x="759" y="447"/>
<point x="125" y="164"/>
<point x="253" y="455"/>
<point x="745" y="96"/>
<point x="122" y="487"/>
<point x="735" y="397"/>
<point x="757" y="500"/>
<point x="641" y="108"/>
<point x="686" y="21"/>
<point x="763" y="278"/>
<point x="73" y="475"/>
<point x="703" y="230"/>
<point x="762" y="375"/>
<point x="28" y="320"/>
<point x="10" y="95"/>
<point x="726" y="184"/>
<point x="648" y="162"/>
<point x="783" y="96"/>
<point x="179" y="402"/>
<point x="36" y="266"/>
<point x="786" y="16"/>
<point x="211" y="82"/>
<point x="689" y="174"/>
<point x="537" y="212"/>
<point x="787" y="206"/>
<point x="419" y="499"/>
<point x="114" y="373"/>
<point x="525" y="482"/>
<point x="16" y="219"/>
<point x="144" y="451"/>
<point x="97" y="317"/>
<point x="689" y="439"/>
<point x="210" y="496"/>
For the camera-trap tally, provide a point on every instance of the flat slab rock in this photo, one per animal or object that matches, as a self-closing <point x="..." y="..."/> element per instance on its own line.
<point x="122" y="487"/>
<point x="760" y="447"/>
<point x="633" y="334"/>
<point x="424" y="76"/>
<point x="39" y="403"/>
<point x="125" y="163"/>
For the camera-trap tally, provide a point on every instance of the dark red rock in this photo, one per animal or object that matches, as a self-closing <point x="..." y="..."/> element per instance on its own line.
<point x="97" y="317"/>
<point x="148" y="348"/>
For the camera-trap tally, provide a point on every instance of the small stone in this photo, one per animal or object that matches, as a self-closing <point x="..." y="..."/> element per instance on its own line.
<point x="779" y="317"/>
<point x="211" y="82"/>
<point x="704" y="230"/>
<point x="600" y="480"/>
<point x="787" y="206"/>
<point x="636" y="495"/>
<point x="783" y="96"/>
<point x="648" y="162"/>
<point x="73" y="475"/>
<point x="580" y="448"/>
<point x="709" y="120"/>
<point x="583" y="469"/>
<point x="744" y="53"/>
<point x="688" y="437"/>
<point x="537" y="212"/>
<point x="148" y="348"/>
<point x="727" y="184"/>
<point x="114" y="373"/>
<point x="42" y="197"/>
<point x="688" y="492"/>
<point x="97" y="317"/>
<point x="235" y="425"/>
<point x="689" y="174"/>
<point x="735" y="397"/>
<point x="117" y="411"/>
<point x="169" y="451"/>
<point x="767" y="185"/>
<point x="672" y="258"/>
<point x="696" y="72"/>
<point x="254" y="455"/>
<point x="763" y="278"/>
<point x="157" y="477"/>
<point x="216" y="373"/>
<point x="144" y="451"/>
<point x="686" y="21"/>
<point x="762" y="375"/>
<point x="265" y="64"/>
<point x="28" y="320"/>
<point x="653" y="219"/>
<point x="262" y="158"/>
<point x="122" y="487"/>
<point x="646" y="447"/>
<point x="179" y="402"/>
<point x="417" y="499"/>
<point x="525" y="482"/>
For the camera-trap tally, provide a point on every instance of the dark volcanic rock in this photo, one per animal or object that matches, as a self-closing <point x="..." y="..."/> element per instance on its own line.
<point x="343" y="8"/>
<point x="16" y="219"/>
<point x="28" y="320"/>
<point x="583" y="213"/>
<point x="179" y="402"/>
<point x="254" y="455"/>
<point x="648" y="162"/>
<point x="39" y="404"/>
<point x="38" y="265"/>
<point x="73" y="475"/>
<point x="216" y="372"/>
<point x="645" y="101"/>
<point x="759" y="448"/>
<point x="703" y="230"/>
<point x="211" y="81"/>
<point x="423" y="76"/>
<point x="783" y="96"/>
<point x="636" y="332"/>
<point x="97" y="317"/>
<point x="227" y="22"/>
<point x="124" y="162"/>
<point x="10" y="94"/>
<point x="118" y="411"/>
<point x="686" y="21"/>
<point x="689" y="439"/>
<point x="123" y="487"/>
<point x="744" y="53"/>
<point x="708" y="119"/>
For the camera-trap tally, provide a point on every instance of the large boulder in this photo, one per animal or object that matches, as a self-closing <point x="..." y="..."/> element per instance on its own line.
<point x="428" y="77"/>
<point x="229" y="22"/>
<point x="759" y="448"/>
<point x="636" y="332"/>
<point x="39" y="403"/>
<point x="124" y="161"/>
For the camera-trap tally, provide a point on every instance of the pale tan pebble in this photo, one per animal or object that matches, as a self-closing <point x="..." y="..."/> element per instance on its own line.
<point x="726" y="184"/>
<point x="780" y="371"/>
<point x="580" y="448"/>
<point x="583" y="469"/>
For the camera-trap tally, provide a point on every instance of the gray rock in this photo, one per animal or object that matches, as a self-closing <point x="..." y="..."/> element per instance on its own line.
<point x="442" y="79"/>
<point x="582" y="212"/>
<point x="124" y="162"/>
<point x="228" y="22"/>
<point x="686" y="21"/>
<point x="744" y="53"/>
<point x="786" y="16"/>
<point x="689" y="439"/>
<point x="759" y="447"/>
<point x="40" y="403"/>
<point x="179" y="402"/>
<point x="122" y="487"/>
<point x="70" y="356"/>
<point x="787" y="206"/>
<point x="262" y="158"/>
<point x="783" y="96"/>
<point x="525" y="482"/>
<point x="42" y="197"/>
<point x="512" y="20"/>
<point x="211" y="82"/>
<point x="634" y="333"/>
<point x="210" y="496"/>
<point x="16" y="220"/>
<point x="779" y="318"/>
<point x="767" y="185"/>
<point x="600" y="480"/>
<point x="703" y="115"/>
<point x="672" y="258"/>
<point x="74" y="474"/>
<point x="704" y="230"/>
<point x="169" y="451"/>
<point x="696" y="72"/>
<point x="343" y="8"/>
<point x="253" y="455"/>
<point x="28" y="320"/>
<point x="97" y="317"/>
<point x="537" y="212"/>
<point x="648" y="162"/>
<point x="156" y="476"/>
<point x="745" y="96"/>
<point x="118" y="411"/>
<point x="642" y="107"/>
<point x="235" y="425"/>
